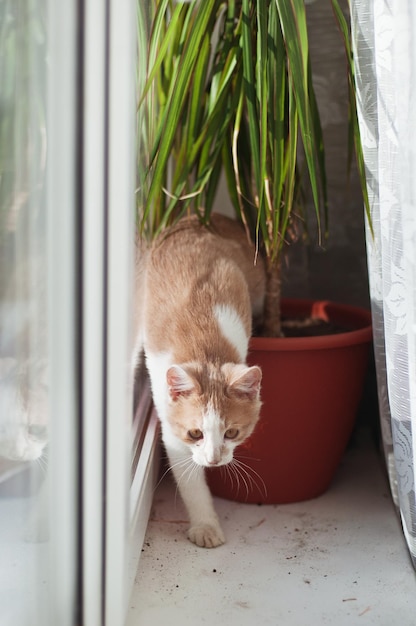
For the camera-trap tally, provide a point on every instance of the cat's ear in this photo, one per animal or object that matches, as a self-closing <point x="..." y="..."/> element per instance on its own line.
<point x="180" y="383"/>
<point x="244" y="381"/>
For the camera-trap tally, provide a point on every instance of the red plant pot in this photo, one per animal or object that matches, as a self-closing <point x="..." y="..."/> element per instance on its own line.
<point x="311" y="390"/>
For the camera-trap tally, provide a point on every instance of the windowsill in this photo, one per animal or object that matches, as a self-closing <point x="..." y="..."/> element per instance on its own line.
<point x="339" y="559"/>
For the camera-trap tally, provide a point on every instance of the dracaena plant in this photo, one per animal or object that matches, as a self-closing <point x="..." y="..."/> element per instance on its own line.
<point x="229" y="87"/>
<point x="185" y="108"/>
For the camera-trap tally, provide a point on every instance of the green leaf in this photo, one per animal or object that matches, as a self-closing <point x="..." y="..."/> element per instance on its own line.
<point x="178" y="93"/>
<point x="250" y="88"/>
<point x="293" y="20"/>
<point x="160" y="40"/>
<point x="354" y="127"/>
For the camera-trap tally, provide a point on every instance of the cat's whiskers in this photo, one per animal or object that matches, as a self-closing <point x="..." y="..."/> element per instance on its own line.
<point x="181" y="462"/>
<point x="188" y="467"/>
<point x="167" y="470"/>
<point x="250" y="458"/>
<point x="244" y="473"/>
<point x="234" y="475"/>
<point x="262" y="486"/>
<point x="42" y="462"/>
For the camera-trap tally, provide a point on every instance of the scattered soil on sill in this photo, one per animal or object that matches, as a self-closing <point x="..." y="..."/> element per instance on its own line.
<point x="307" y="327"/>
<point x="311" y="327"/>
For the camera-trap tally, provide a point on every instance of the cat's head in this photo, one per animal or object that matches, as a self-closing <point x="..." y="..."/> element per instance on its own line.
<point x="213" y="409"/>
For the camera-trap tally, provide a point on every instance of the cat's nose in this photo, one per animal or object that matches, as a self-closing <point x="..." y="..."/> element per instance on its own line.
<point x="213" y="462"/>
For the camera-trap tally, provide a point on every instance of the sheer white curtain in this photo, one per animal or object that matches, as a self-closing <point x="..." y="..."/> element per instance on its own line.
<point x="384" y="40"/>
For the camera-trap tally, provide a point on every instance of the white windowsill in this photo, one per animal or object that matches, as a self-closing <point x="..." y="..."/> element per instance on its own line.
<point x="339" y="559"/>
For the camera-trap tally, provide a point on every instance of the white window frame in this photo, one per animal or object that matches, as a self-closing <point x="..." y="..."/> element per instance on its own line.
<point x="62" y="210"/>
<point x="100" y="508"/>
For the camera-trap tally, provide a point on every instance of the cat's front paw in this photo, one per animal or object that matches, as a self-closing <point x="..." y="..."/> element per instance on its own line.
<point x="206" y="535"/>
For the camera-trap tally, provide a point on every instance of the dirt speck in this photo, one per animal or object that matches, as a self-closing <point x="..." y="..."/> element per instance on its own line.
<point x="243" y="605"/>
<point x="259" y="523"/>
<point x="365" y="611"/>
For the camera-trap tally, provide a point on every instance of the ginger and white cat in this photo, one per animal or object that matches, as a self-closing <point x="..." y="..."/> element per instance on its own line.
<point x="23" y="409"/>
<point x="23" y="359"/>
<point x="201" y="289"/>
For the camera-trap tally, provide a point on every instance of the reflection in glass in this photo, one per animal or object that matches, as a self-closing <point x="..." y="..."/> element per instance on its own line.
<point x="23" y="312"/>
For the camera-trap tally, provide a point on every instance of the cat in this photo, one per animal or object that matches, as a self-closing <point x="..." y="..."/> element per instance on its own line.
<point x="24" y="384"/>
<point x="23" y="409"/>
<point x="201" y="290"/>
<point x="24" y="362"/>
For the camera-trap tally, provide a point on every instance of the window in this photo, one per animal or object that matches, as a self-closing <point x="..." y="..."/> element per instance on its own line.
<point x="76" y="471"/>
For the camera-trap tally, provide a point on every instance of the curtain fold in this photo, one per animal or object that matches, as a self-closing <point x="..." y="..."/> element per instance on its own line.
<point x="384" y="43"/>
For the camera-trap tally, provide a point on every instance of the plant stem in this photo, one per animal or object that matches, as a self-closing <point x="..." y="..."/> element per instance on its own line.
<point x="272" y="314"/>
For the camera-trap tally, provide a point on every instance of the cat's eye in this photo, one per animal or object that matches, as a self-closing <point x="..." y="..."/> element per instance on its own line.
<point x="231" y="433"/>
<point x="195" y="434"/>
<point x="39" y="432"/>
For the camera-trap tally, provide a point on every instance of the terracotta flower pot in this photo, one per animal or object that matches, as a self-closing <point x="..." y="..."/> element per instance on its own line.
<point x="311" y="390"/>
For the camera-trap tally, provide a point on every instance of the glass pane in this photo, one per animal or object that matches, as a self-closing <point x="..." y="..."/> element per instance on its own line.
<point x="142" y="396"/>
<point x="145" y="434"/>
<point x="23" y="313"/>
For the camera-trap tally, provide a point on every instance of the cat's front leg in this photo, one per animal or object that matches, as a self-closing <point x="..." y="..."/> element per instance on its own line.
<point x="205" y="529"/>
